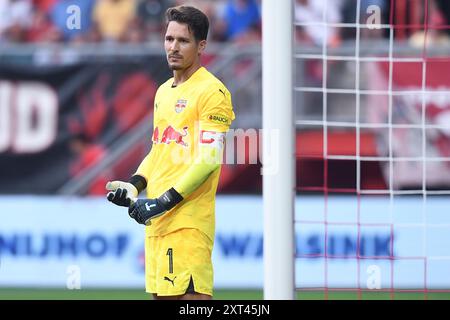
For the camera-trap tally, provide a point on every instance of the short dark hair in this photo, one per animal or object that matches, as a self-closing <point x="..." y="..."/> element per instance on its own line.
<point x="196" y="20"/>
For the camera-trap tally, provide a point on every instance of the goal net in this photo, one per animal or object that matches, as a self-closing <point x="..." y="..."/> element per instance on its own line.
<point x="372" y="119"/>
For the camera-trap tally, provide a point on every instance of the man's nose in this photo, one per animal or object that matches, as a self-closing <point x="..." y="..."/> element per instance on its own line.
<point x="174" y="47"/>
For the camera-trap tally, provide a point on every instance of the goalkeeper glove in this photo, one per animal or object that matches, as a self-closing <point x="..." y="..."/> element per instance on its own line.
<point x="143" y="210"/>
<point x="124" y="193"/>
<point x="121" y="193"/>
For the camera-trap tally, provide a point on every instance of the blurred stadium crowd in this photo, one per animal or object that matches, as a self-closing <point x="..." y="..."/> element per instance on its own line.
<point x="132" y="21"/>
<point x="137" y="21"/>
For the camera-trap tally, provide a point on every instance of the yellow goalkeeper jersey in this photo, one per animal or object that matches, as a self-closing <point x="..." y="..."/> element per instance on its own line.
<point x="197" y="111"/>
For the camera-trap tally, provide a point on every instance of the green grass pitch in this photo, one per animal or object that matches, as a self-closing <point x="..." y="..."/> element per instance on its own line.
<point x="133" y="294"/>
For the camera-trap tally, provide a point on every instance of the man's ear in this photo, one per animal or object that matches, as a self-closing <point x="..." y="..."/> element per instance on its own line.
<point x="201" y="46"/>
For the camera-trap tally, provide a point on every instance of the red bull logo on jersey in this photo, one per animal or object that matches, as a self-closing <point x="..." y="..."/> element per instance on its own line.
<point x="180" y="106"/>
<point x="169" y="135"/>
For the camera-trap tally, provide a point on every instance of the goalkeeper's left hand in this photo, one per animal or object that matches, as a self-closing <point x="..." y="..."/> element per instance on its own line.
<point x="143" y="210"/>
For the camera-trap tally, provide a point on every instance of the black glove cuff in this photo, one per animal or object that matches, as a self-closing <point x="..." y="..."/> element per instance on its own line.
<point x="139" y="182"/>
<point x="170" y="199"/>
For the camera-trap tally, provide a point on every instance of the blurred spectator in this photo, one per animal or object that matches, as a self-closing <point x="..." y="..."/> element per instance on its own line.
<point x="44" y="5"/>
<point x="242" y="20"/>
<point x="41" y="28"/>
<point x="444" y="7"/>
<point x="312" y="12"/>
<point x="204" y="5"/>
<point x="15" y="18"/>
<point x="218" y="25"/>
<point x="134" y="33"/>
<point x="60" y="15"/>
<point x="151" y="19"/>
<point x="433" y="34"/>
<point x="114" y="17"/>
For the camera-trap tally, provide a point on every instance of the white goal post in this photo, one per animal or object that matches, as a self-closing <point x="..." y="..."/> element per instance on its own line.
<point x="278" y="146"/>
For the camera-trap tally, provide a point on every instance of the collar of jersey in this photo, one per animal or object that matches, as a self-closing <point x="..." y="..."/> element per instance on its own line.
<point x="194" y="75"/>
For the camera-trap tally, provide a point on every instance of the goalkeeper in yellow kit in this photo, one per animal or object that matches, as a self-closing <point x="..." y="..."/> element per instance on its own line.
<point x="192" y="113"/>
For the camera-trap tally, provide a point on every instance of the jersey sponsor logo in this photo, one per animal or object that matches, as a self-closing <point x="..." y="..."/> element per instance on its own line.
<point x="218" y="119"/>
<point x="180" y="106"/>
<point x="212" y="139"/>
<point x="169" y="135"/>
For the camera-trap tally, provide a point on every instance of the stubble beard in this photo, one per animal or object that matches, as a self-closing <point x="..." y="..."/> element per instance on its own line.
<point x="175" y="67"/>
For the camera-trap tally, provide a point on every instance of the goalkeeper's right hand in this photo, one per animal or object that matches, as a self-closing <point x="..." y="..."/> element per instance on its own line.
<point x="121" y="193"/>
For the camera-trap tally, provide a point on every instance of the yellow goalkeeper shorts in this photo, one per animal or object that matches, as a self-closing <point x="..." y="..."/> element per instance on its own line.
<point x="178" y="263"/>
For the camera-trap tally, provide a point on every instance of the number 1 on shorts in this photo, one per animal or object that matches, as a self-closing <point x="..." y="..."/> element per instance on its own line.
<point x="170" y="254"/>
